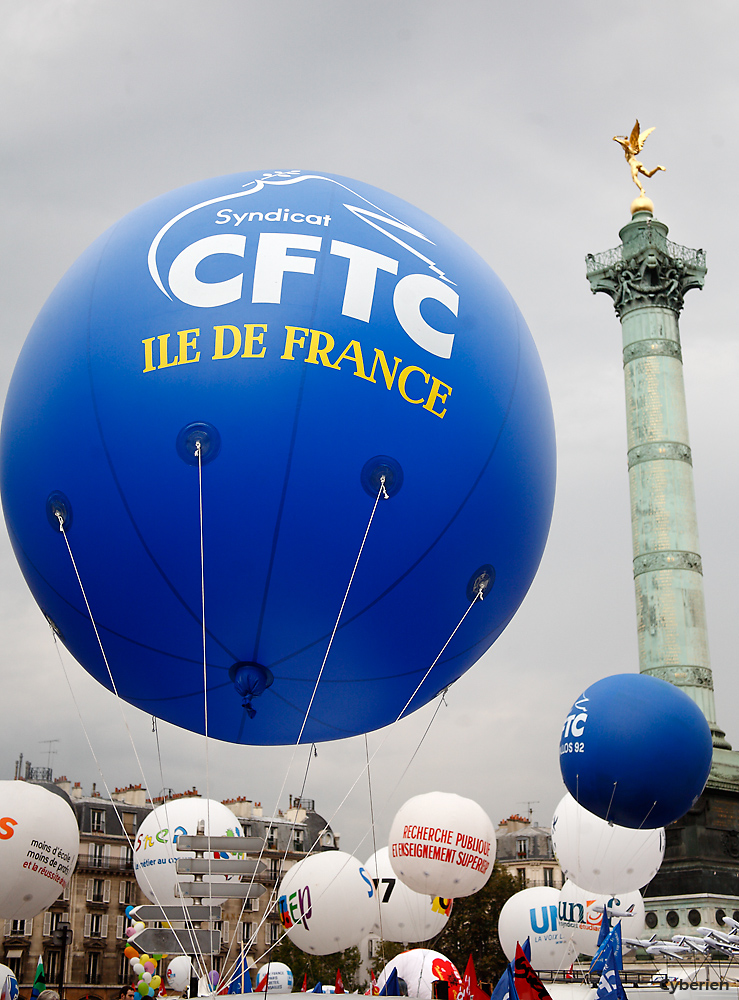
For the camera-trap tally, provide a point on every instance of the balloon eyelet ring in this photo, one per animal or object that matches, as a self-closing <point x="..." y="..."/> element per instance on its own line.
<point x="372" y="474"/>
<point x="198" y="434"/>
<point x="58" y="511"/>
<point x="480" y="583"/>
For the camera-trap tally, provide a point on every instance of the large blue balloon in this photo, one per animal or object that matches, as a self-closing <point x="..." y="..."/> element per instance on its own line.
<point x="312" y="334"/>
<point x="635" y="750"/>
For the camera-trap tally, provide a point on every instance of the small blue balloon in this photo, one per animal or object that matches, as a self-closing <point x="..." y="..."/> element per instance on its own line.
<point x="635" y="751"/>
<point x="308" y="346"/>
<point x="128" y="911"/>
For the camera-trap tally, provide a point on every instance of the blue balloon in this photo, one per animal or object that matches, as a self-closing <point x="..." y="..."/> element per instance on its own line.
<point x="635" y="751"/>
<point x="308" y="344"/>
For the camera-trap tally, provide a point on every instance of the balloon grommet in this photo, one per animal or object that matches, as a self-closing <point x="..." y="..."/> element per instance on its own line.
<point x="250" y="680"/>
<point x="187" y="443"/>
<point x="58" y="507"/>
<point x="375" y="469"/>
<point x="481" y="582"/>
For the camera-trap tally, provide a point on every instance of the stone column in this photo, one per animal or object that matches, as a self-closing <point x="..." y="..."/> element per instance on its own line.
<point x="647" y="277"/>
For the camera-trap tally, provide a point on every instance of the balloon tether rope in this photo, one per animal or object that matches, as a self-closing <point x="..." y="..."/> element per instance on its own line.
<point x="115" y="692"/>
<point x="478" y="597"/>
<point x="382" y="492"/>
<point x="374" y="848"/>
<point x="199" y="453"/>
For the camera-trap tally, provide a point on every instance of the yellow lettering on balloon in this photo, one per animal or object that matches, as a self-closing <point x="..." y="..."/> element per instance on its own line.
<point x="220" y="354"/>
<point x="403" y="378"/>
<point x="389" y="378"/>
<point x="163" y="362"/>
<point x="291" y="340"/>
<point x="185" y="344"/>
<point x="315" y="351"/>
<point x="149" y="365"/>
<point x="250" y="338"/>
<point x="353" y="352"/>
<point x="436" y="384"/>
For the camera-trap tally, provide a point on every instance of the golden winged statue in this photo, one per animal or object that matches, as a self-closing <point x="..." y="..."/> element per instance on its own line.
<point x="632" y="145"/>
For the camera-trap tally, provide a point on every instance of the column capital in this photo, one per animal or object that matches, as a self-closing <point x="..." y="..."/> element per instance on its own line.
<point x="647" y="270"/>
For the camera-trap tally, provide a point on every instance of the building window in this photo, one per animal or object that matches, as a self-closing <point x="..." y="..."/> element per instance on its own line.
<point x="129" y="822"/>
<point x="522" y="876"/>
<point x="720" y="914"/>
<point x="694" y="917"/>
<point x="247" y="929"/>
<point x="672" y="918"/>
<point x="126" y="892"/>
<point x="98" y="890"/>
<point x="275" y="868"/>
<point x="96" y="855"/>
<point x="51" y="965"/>
<point x="275" y="930"/>
<point x="92" y="977"/>
<point x="124" y="970"/>
<point x="298" y="841"/>
<point x="650" y="919"/>
<point x="549" y="876"/>
<point x="127" y="856"/>
<point x="522" y="847"/>
<point x="14" y="961"/>
<point x="97" y="820"/>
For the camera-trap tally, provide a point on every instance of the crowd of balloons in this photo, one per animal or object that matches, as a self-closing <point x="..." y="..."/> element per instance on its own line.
<point x="402" y="393"/>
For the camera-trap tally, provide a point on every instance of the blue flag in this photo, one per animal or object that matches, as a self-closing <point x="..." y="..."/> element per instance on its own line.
<point x="609" y="953"/>
<point x="391" y="989"/>
<point x="610" y="986"/>
<point x="605" y="926"/>
<point x="235" y="982"/>
<point x="505" y="988"/>
<point x="318" y="988"/>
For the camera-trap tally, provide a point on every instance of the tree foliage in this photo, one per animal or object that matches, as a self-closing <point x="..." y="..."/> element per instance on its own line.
<point x="320" y="968"/>
<point x="473" y="927"/>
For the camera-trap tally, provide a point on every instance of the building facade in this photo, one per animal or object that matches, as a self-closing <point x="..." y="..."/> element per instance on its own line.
<point x="525" y="850"/>
<point x="104" y="884"/>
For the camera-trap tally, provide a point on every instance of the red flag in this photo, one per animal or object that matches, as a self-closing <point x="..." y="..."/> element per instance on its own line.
<point x="528" y="984"/>
<point x="569" y="975"/>
<point x="470" y="990"/>
<point x="339" y="987"/>
<point x="304" y="987"/>
<point x="261" y="985"/>
<point x="375" y="992"/>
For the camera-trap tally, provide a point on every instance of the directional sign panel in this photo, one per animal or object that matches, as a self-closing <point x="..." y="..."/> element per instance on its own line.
<point x="166" y="941"/>
<point x="194" y="913"/>
<point x="231" y="866"/>
<point x="237" y="845"/>
<point x="232" y="890"/>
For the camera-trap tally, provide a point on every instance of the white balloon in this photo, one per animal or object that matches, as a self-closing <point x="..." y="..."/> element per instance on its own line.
<point x="327" y="902"/>
<point x="8" y="982"/>
<point x="532" y="914"/>
<point x="39" y="841"/>
<point x="419" y="967"/>
<point x="179" y="971"/>
<point x="400" y="913"/>
<point x="280" y="977"/>
<point x="580" y="922"/>
<point x="603" y="857"/>
<point x="155" y="852"/>
<point x="442" y="845"/>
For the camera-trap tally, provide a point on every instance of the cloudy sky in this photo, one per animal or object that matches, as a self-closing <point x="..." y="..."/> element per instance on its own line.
<point x="497" y="119"/>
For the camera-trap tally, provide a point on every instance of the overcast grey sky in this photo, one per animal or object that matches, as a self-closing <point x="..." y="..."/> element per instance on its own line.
<point x="497" y="119"/>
